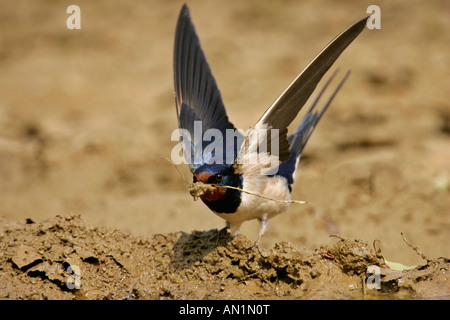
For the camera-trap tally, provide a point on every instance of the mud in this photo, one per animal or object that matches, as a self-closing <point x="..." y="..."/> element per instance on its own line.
<point x="66" y="258"/>
<point x="86" y="118"/>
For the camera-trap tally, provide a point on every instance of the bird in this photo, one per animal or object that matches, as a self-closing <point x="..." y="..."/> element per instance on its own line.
<point x="248" y="178"/>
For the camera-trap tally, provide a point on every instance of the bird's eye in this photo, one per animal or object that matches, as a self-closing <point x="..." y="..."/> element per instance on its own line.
<point x="219" y="177"/>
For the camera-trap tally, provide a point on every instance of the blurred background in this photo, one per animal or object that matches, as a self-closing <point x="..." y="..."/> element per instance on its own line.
<point x="86" y="116"/>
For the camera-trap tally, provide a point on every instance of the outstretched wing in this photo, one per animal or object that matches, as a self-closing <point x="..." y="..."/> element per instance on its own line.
<point x="197" y="98"/>
<point x="281" y="113"/>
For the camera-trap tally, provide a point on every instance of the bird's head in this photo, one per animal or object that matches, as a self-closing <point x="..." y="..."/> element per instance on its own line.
<point x="219" y="176"/>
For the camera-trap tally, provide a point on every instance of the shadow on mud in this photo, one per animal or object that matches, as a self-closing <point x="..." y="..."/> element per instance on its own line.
<point x="193" y="247"/>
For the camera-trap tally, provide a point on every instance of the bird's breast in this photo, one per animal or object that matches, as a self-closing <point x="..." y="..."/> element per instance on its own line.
<point x="253" y="206"/>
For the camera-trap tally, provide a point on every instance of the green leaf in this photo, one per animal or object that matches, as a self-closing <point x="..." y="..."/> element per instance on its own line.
<point x="399" y="266"/>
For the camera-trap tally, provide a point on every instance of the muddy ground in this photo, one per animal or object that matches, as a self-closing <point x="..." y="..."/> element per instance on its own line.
<point x="66" y="258"/>
<point x="86" y="118"/>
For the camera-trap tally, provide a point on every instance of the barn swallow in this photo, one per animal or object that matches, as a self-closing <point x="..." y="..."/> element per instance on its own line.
<point x="235" y="178"/>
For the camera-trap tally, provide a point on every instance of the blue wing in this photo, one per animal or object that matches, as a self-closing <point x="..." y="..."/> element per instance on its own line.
<point x="198" y="99"/>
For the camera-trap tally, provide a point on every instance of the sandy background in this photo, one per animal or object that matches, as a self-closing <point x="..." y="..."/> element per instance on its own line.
<point x="86" y="116"/>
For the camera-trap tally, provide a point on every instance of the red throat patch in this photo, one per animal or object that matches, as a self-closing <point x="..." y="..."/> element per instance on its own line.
<point x="203" y="176"/>
<point x="218" y="192"/>
<point x="216" y="195"/>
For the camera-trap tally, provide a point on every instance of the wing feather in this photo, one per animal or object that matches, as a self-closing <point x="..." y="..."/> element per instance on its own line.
<point x="281" y="113"/>
<point x="196" y="93"/>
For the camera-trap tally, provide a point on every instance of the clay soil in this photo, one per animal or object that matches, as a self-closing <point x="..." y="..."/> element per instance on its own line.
<point x="90" y="208"/>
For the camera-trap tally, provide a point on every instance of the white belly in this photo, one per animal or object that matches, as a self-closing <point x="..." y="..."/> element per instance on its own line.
<point x="254" y="207"/>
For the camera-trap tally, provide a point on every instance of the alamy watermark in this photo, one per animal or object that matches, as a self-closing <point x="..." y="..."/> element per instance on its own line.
<point x="74" y="20"/>
<point x="374" y="21"/>
<point x="222" y="150"/>
<point x="373" y="281"/>
<point x="74" y="280"/>
<point x="259" y="146"/>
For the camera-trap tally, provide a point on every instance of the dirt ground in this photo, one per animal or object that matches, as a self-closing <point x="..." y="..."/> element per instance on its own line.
<point x="66" y="258"/>
<point x="86" y="118"/>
